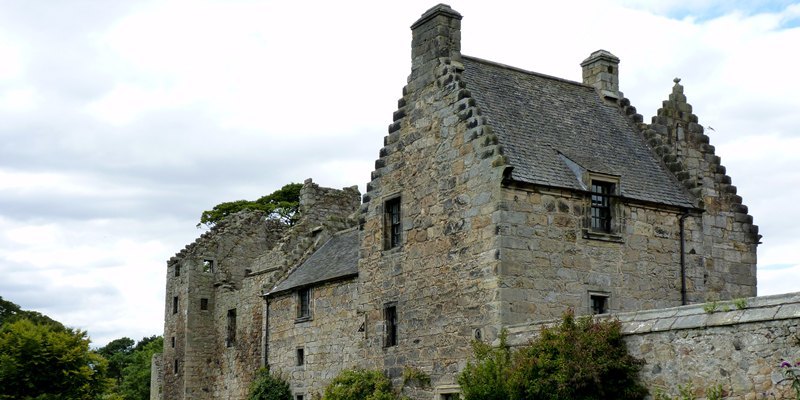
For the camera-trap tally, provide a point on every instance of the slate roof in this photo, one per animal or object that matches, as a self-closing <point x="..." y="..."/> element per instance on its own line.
<point x="337" y="258"/>
<point x="538" y="118"/>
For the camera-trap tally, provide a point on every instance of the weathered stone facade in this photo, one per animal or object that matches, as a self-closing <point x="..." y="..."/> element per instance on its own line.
<point x="738" y="345"/>
<point x="500" y="197"/>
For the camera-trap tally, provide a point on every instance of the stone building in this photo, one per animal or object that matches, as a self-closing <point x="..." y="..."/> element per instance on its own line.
<point x="500" y="197"/>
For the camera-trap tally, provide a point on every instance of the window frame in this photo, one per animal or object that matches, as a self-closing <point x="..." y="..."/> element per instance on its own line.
<point x="303" y="304"/>
<point x="203" y="304"/>
<point x="600" y="214"/>
<point x="393" y="222"/>
<point x="605" y="296"/>
<point x="300" y="357"/>
<point x="603" y="206"/>
<point x="390" y="318"/>
<point x="230" y="331"/>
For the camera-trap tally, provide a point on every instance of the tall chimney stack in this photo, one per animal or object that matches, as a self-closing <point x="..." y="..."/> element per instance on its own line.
<point x="601" y="70"/>
<point x="435" y="35"/>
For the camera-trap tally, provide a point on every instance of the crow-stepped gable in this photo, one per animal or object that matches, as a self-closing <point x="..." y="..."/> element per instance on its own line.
<point x="501" y="197"/>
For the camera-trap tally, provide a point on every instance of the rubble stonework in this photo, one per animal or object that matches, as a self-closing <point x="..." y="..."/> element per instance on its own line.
<point x="500" y="198"/>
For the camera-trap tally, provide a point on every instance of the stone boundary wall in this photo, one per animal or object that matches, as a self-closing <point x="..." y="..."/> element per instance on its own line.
<point x="710" y="344"/>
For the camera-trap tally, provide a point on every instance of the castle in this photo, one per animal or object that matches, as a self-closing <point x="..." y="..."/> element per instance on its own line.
<point x="501" y="197"/>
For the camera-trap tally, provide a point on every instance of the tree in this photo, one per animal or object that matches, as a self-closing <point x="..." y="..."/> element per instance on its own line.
<point x="46" y="361"/>
<point x="268" y="386"/>
<point x="360" y="384"/>
<point x="117" y="353"/>
<point x="579" y="359"/>
<point x="281" y="205"/>
<point x="136" y="374"/>
<point x="10" y="312"/>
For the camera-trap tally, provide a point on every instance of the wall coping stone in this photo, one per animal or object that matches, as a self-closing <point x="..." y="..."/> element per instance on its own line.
<point x="758" y="309"/>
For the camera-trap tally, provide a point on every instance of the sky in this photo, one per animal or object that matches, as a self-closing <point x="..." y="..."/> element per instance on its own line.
<point x="120" y="122"/>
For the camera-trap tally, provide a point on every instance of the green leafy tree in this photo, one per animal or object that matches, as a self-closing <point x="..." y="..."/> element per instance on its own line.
<point x="579" y="359"/>
<point x="360" y="384"/>
<point x="486" y="378"/>
<point x="281" y="205"/>
<point x="10" y="312"/>
<point x="135" y="383"/>
<point x="46" y="361"/>
<point x="269" y="386"/>
<point x="117" y="353"/>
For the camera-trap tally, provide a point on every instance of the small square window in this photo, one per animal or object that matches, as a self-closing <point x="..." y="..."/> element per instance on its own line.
<point x="303" y="304"/>
<point x="175" y="305"/>
<point x="390" y="316"/>
<point x="208" y="266"/>
<point x="204" y="304"/>
<point x="599" y="303"/>
<point x="449" y="396"/>
<point x="393" y="227"/>
<point x="301" y="360"/>
<point x="298" y="397"/>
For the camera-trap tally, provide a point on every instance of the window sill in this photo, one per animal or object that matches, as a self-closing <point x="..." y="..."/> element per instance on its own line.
<point x="602" y="236"/>
<point x="302" y="319"/>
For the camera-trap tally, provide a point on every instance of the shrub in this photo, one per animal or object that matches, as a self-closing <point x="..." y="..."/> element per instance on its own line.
<point x="579" y="359"/>
<point x="269" y="386"/>
<point x="487" y="378"/>
<point x="360" y="384"/>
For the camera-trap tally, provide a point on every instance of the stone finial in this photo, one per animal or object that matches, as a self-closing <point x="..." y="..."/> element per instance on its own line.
<point x="436" y="34"/>
<point x="601" y="70"/>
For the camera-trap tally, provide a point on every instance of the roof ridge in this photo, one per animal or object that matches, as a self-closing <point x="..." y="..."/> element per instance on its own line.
<point x="525" y="71"/>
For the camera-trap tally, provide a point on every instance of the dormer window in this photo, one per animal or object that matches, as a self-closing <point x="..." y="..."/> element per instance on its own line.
<point x="601" y="206"/>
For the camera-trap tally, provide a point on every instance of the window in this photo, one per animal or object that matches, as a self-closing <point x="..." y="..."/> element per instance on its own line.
<point x="175" y="367"/>
<point x="449" y="396"/>
<point x="599" y="303"/>
<point x="304" y="304"/>
<point x="175" y="305"/>
<point x="393" y="227"/>
<point x="390" y="314"/>
<point x="208" y="265"/>
<point x="298" y="397"/>
<point x="173" y="342"/>
<point x="204" y="304"/>
<point x="301" y="359"/>
<point x="601" y="206"/>
<point x="177" y="270"/>
<point x="230" y="339"/>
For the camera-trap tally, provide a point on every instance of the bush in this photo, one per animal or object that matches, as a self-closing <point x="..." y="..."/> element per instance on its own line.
<point x="360" y="384"/>
<point x="579" y="359"/>
<point x="268" y="386"/>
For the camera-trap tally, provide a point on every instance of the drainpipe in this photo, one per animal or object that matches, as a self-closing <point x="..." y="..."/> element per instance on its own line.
<point x="265" y="335"/>
<point x="683" y="256"/>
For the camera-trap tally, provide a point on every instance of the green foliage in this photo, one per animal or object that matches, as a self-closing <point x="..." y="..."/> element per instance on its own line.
<point x="710" y="307"/>
<point x="48" y="361"/>
<point x="579" y="359"/>
<point x="411" y="374"/>
<point x="715" y="392"/>
<point x="10" y="312"/>
<point x="281" y="205"/>
<point x="269" y="386"/>
<point x="135" y="384"/>
<point x="791" y="374"/>
<point x="740" y="303"/>
<point x="487" y="378"/>
<point x="686" y="392"/>
<point x="360" y="384"/>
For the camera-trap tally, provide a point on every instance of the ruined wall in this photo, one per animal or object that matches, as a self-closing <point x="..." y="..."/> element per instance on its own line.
<point x="722" y="241"/>
<point x="441" y="161"/>
<point x="739" y="348"/>
<point x="332" y="340"/>
<point x="548" y="264"/>
<point x="156" y="377"/>
<point x="215" y="262"/>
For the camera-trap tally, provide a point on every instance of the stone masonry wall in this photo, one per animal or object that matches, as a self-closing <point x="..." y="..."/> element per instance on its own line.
<point x="548" y="264"/>
<point x="216" y="260"/>
<point x="738" y="347"/>
<point x="445" y="167"/>
<point x="156" y="377"/>
<point x="721" y="250"/>
<point x="332" y="340"/>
